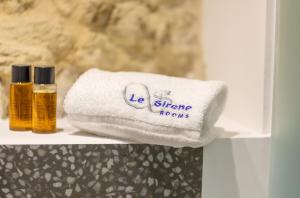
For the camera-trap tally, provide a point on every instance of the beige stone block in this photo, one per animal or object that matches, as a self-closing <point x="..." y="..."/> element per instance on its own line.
<point x="15" y="6"/>
<point x="158" y="36"/>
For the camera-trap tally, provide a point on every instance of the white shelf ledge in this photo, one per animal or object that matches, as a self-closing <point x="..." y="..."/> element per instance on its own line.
<point x="66" y="135"/>
<point x="70" y="135"/>
<point x="231" y="129"/>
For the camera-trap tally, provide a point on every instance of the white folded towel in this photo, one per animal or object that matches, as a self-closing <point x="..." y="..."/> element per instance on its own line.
<point x="146" y="108"/>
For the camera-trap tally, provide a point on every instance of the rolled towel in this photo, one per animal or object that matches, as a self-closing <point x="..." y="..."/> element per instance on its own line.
<point x="146" y="108"/>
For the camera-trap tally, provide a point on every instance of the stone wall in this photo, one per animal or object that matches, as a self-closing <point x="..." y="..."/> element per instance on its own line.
<point x="159" y="36"/>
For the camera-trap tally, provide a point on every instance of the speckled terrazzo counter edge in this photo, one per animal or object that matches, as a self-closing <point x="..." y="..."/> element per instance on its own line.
<point x="94" y="171"/>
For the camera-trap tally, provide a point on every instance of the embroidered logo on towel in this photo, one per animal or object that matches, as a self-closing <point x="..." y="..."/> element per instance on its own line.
<point x="137" y="95"/>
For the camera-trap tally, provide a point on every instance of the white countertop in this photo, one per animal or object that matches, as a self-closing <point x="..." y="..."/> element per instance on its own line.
<point x="66" y="135"/>
<point x="69" y="135"/>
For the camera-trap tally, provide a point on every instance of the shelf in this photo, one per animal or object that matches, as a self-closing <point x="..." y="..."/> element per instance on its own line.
<point x="70" y="135"/>
<point x="231" y="129"/>
<point x="237" y="161"/>
<point x="66" y="135"/>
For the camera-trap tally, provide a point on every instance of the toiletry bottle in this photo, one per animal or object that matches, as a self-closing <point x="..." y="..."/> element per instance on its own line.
<point x="20" y="98"/>
<point x="44" y="100"/>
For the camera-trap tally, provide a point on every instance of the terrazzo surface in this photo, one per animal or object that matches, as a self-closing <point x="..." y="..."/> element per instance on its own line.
<point x="94" y="171"/>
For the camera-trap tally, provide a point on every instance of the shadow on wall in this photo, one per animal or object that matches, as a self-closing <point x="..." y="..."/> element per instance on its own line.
<point x="159" y="36"/>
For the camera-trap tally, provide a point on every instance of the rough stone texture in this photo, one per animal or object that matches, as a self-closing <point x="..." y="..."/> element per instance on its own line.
<point x="159" y="36"/>
<point x="91" y="171"/>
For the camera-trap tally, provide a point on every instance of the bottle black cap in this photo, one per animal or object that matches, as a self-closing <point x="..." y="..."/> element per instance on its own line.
<point x="21" y="73"/>
<point x="44" y="75"/>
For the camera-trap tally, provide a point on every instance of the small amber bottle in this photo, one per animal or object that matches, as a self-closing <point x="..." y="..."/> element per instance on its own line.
<point x="20" y="98"/>
<point x="44" y="100"/>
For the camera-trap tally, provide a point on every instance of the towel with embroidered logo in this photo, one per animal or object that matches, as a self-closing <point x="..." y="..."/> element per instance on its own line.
<point x="146" y="108"/>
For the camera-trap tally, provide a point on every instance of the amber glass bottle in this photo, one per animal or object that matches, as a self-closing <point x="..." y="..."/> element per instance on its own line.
<point x="44" y="100"/>
<point x="20" y="98"/>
